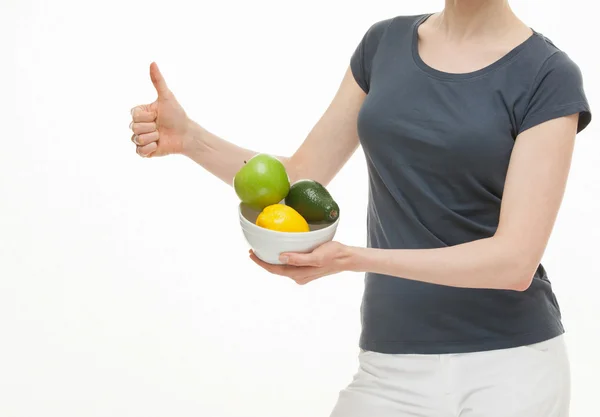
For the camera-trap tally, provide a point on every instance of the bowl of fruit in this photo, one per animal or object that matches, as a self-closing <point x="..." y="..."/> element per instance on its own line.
<point x="276" y="216"/>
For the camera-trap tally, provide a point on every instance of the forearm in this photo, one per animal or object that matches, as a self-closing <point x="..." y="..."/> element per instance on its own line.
<point x="327" y="147"/>
<point x="487" y="263"/>
<point x="218" y="156"/>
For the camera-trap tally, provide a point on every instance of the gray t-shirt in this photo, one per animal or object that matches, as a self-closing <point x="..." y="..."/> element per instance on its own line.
<point x="437" y="147"/>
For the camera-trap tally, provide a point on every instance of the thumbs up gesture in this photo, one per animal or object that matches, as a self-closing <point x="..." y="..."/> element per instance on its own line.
<point x="159" y="128"/>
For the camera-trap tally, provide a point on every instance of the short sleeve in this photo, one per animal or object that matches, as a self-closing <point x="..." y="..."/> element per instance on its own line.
<point x="557" y="92"/>
<point x="362" y="58"/>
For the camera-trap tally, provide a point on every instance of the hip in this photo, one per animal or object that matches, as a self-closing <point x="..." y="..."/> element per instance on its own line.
<point x="531" y="380"/>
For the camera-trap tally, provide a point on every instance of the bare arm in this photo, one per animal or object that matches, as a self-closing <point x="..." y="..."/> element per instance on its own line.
<point x="532" y="196"/>
<point x="533" y="192"/>
<point x="326" y="149"/>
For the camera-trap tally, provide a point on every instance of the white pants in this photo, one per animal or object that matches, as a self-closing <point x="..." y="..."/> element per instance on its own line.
<point x="529" y="381"/>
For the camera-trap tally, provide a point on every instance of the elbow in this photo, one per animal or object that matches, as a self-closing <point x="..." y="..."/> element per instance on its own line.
<point x="522" y="283"/>
<point x="519" y="260"/>
<point x="297" y="169"/>
<point x="291" y="168"/>
<point x="521" y="275"/>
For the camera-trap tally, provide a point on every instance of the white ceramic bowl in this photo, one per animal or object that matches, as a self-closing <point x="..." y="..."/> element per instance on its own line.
<point x="269" y="244"/>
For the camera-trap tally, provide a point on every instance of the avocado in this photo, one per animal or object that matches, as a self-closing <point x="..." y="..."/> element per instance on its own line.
<point x="312" y="201"/>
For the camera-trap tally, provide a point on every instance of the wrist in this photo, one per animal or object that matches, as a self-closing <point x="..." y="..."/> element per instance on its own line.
<point x="193" y="139"/>
<point x="353" y="259"/>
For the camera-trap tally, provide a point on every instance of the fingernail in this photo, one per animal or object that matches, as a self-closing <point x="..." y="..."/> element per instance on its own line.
<point x="132" y="110"/>
<point x="131" y="124"/>
<point x="284" y="259"/>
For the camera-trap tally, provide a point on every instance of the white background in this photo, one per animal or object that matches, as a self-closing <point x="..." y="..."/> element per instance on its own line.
<point x="125" y="286"/>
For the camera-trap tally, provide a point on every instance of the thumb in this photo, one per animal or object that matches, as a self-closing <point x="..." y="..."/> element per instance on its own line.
<point x="159" y="82"/>
<point x="299" y="259"/>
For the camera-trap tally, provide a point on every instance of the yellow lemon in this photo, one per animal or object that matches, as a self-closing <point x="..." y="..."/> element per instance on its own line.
<point x="282" y="218"/>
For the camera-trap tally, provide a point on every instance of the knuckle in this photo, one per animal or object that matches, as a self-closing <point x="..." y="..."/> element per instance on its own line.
<point x="150" y="148"/>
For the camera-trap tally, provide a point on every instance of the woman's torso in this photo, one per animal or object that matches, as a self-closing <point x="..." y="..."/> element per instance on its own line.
<point x="438" y="147"/>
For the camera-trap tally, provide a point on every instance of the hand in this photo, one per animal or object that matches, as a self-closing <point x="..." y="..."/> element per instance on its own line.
<point x="328" y="259"/>
<point x="159" y="128"/>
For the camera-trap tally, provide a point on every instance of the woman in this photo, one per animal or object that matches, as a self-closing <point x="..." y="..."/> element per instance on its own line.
<point x="468" y="119"/>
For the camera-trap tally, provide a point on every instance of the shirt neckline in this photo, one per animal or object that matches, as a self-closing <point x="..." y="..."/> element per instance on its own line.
<point x="463" y="75"/>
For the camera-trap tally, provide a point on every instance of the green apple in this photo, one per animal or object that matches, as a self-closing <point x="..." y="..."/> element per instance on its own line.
<point x="261" y="182"/>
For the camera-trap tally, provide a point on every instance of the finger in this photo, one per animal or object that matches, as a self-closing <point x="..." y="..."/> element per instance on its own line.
<point x="274" y="269"/>
<point x="142" y="114"/>
<point x="146" y="138"/>
<point x="158" y="80"/>
<point x="300" y="259"/>
<point x="297" y="274"/>
<point x="261" y="263"/>
<point x="146" y="151"/>
<point x="141" y="128"/>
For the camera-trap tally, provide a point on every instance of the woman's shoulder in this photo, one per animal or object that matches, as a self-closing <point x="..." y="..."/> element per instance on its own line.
<point x="547" y="56"/>
<point x="406" y="22"/>
<point x="397" y="24"/>
<point x="554" y="83"/>
<point x="549" y="62"/>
